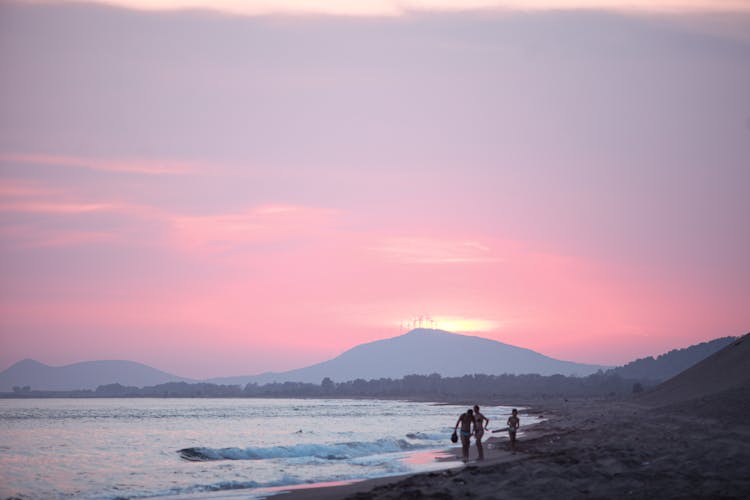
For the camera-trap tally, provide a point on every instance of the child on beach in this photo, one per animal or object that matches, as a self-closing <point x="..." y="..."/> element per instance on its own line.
<point x="513" y="424"/>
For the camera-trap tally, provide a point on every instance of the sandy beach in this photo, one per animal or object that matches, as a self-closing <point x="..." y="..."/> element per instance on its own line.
<point x="589" y="449"/>
<point x="674" y="442"/>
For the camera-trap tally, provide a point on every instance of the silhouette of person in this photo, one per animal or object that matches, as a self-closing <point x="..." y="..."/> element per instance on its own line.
<point x="513" y="424"/>
<point x="480" y="425"/>
<point x="467" y="424"/>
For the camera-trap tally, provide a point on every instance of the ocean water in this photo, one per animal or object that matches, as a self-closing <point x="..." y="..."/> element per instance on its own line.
<point x="140" y="448"/>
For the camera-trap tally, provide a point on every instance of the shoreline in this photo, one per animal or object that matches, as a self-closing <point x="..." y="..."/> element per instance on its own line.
<point x="363" y="487"/>
<point x="586" y="448"/>
<point x="496" y="450"/>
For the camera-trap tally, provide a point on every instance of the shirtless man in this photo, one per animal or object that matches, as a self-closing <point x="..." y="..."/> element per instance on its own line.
<point x="480" y="425"/>
<point x="467" y="425"/>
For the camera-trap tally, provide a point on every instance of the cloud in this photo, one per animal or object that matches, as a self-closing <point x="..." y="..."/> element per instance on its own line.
<point x="29" y="236"/>
<point x="262" y="224"/>
<point x="55" y="208"/>
<point x="21" y="189"/>
<point x="31" y="198"/>
<point x="38" y="215"/>
<point x="404" y="7"/>
<point x="81" y="218"/>
<point x="24" y="197"/>
<point x="411" y="250"/>
<point x="148" y="167"/>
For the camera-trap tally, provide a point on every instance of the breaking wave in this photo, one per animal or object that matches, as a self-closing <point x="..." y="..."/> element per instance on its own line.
<point x="339" y="451"/>
<point x="428" y="436"/>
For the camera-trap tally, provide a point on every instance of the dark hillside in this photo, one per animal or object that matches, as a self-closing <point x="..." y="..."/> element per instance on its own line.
<point x="668" y="365"/>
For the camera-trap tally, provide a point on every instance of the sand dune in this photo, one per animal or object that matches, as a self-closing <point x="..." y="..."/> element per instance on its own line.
<point x="719" y="383"/>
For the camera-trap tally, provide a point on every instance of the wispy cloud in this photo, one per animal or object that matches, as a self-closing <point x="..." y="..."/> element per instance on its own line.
<point x="34" y="198"/>
<point x="28" y="236"/>
<point x="409" y="250"/>
<point x="267" y="223"/>
<point x="147" y="167"/>
<point x="61" y="208"/>
<point x="27" y="207"/>
<point x="39" y="215"/>
<point x="403" y="7"/>
<point x="22" y="189"/>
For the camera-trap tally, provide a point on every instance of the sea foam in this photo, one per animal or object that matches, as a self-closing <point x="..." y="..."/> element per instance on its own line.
<point x="339" y="451"/>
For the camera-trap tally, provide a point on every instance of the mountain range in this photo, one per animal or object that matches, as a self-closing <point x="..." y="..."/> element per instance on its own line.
<point x="420" y="352"/>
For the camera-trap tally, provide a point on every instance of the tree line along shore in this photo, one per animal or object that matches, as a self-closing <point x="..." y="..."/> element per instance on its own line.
<point x="411" y="386"/>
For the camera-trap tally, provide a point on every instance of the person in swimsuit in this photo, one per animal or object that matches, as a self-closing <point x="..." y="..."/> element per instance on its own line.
<point x="480" y="425"/>
<point x="513" y="424"/>
<point x="467" y="426"/>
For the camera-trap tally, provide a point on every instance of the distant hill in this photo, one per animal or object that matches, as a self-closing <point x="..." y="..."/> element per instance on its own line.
<point x="717" y="386"/>
<point x="87" y="375"/>
<point x="418" y="352"/>
<point x="671" y="363"/>
<point x="423" y="352"/>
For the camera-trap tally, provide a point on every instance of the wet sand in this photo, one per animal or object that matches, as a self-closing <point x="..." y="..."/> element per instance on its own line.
<point x="590" y="448"/>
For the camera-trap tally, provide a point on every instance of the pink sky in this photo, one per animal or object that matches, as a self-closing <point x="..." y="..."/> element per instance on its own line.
<point x="221" y="194"/>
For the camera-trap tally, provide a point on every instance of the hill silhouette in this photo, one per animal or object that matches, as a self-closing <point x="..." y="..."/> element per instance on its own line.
<point x="422" y="352"/>
<point x="719" y="385"/>
<point x="85" y="375"/>
<point x="668" y="365"/>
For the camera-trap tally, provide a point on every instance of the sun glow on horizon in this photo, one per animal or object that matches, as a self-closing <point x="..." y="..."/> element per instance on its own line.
<point x="454" y="324"/>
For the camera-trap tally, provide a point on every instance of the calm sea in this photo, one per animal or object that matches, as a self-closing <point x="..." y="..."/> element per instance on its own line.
<point x="131" y="448"/>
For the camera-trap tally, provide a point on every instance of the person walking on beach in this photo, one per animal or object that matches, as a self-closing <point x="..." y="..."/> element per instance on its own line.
<point x="480" y="425"/>
<point x="467" y="425"/>
<point x="513" y="424"/>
